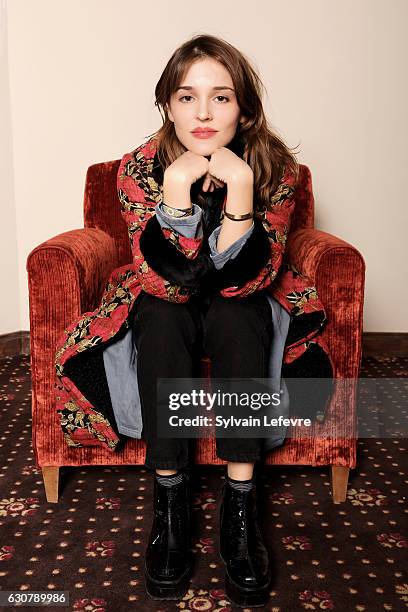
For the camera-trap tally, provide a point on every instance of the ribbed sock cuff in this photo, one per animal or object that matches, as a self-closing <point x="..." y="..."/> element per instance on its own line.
<point x="241" y="485"/>
<point x="169" y="481"/>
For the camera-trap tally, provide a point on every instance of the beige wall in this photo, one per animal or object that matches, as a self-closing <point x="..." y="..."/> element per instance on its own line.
<point x="79" y="81"/>
<point x="10" y="262"/>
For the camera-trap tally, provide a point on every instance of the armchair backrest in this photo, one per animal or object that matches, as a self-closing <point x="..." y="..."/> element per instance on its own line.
<point x="102" y="207"/>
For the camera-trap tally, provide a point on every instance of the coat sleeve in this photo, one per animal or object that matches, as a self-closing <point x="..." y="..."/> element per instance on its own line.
<point x="169" y="265"/>
<point x="260" y="258"/>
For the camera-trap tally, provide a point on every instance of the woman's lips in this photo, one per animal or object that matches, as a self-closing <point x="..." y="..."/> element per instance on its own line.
<point x="203" y="134"/>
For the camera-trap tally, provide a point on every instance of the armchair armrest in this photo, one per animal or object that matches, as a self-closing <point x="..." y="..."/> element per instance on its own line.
<point x="337" y="269"/>
<point x="309" y="248"/>
<point x="72" y="267"/>
<point x="66" y="277"/>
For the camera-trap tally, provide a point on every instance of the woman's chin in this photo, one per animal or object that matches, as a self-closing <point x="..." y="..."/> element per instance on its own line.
<point x="203" y="148"/>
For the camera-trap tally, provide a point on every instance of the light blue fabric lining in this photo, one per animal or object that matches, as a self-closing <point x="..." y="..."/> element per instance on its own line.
<point x="219" y="259"/>
<point x="120" y="361"/>
<point x="189" y="227"/>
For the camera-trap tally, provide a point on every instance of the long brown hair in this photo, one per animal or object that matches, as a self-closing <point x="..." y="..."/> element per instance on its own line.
<point x="264" y="151"/>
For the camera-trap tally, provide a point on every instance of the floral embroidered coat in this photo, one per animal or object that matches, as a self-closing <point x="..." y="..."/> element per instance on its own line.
<point x="173" y="267"/>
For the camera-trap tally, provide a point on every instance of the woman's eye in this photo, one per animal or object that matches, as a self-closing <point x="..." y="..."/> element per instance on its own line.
<point x="183" y="97"/>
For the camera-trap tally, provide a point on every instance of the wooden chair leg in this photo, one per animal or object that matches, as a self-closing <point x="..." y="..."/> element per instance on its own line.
<point x="51" y="483"/>
<point x="339" y="481"/>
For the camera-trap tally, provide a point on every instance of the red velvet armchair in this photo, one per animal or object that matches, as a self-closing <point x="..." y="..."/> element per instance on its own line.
<point x="66" y="277"/>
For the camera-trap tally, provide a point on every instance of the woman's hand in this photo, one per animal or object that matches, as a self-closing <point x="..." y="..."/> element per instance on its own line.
<point x="187" y="168"/>
<point x="228" y="168"/>
<point x="223" y="167"/>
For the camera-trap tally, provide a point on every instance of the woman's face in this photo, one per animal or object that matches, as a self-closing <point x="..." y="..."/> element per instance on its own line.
<point x="205" y="99"/>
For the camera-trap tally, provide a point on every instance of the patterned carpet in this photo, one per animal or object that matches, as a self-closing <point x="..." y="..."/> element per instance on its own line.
<point x="344" y="557"/>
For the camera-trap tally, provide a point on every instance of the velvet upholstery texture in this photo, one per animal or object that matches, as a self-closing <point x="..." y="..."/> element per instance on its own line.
<point x="67" y="275"/>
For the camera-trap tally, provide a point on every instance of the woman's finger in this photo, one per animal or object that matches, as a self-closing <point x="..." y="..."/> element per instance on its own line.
<point x="217" y="182"/>
<point x="206" y="182"/>
<point x="210" y="183"/>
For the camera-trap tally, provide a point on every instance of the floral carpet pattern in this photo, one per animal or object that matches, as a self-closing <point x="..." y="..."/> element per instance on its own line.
<point x="325" y="556"/>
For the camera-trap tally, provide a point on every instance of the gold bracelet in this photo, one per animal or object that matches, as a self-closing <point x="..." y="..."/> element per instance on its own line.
<point x="171" y="210"/>
<point x="238" y="217"/>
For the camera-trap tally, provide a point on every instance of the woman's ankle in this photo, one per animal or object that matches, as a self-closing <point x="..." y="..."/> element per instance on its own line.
<point x="165" y="472"/>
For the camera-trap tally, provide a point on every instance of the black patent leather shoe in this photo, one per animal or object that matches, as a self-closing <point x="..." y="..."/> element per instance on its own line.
<point x="248" y="570"/>
<point x="168" y="559"/>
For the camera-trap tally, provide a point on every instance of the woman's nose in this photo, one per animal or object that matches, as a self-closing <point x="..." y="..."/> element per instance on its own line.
<point x="203" y="113"/>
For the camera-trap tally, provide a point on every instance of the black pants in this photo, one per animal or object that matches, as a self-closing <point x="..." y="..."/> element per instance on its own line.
<point x="235" y="333"/>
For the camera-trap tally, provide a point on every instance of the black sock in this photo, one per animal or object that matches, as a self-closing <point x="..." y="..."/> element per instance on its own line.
<point x="169" y="481"/>
<point x="241" y="485"/>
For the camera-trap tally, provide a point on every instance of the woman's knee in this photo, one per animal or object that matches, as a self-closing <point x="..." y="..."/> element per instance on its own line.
<point x="229" y="315"/>
<point x="238" y="323"/>
<point x="157" y="317"/>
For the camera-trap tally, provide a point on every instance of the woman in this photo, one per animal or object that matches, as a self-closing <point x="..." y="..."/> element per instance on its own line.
<point x="214" y="149"/>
